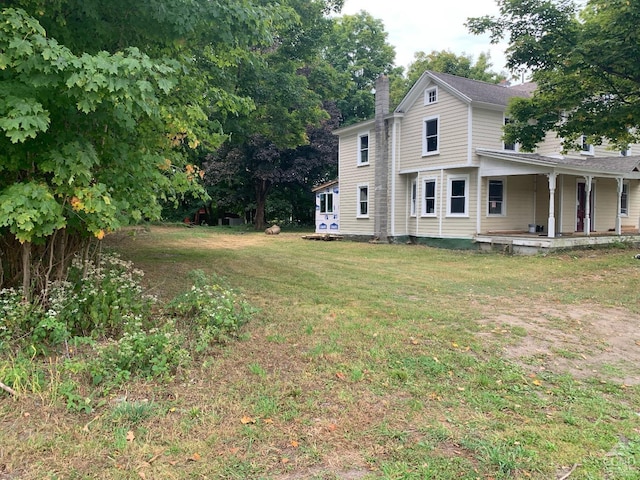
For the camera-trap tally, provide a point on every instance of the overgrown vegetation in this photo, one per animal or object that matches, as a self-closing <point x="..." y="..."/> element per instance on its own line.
<point x="104" y="329"/>
<point x="364" y="361"/>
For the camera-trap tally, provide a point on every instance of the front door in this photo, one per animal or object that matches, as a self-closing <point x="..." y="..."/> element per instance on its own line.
<point x="581" y="211"/>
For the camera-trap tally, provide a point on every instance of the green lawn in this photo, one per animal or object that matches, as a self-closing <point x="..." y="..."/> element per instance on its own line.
<point x="366" y="361"/>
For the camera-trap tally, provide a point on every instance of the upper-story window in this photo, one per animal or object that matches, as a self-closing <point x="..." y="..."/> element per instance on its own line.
<point x="586" y="148"/>
<point x="363" y="149"/>
<point x="430" y="136"/>
<point x="430" y="95"/>
<point x="513" y="147"/>
<point x="626" y="152"/>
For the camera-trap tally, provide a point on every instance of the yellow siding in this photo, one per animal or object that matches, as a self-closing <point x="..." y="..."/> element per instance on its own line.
<point x="634" y="204"/>
<point x="487" y="129"/>
<point x="445" y="225"/>
<point x="551" y="145"/>
<point x="351" y="175"/>
<point x="452" y="129"/>
<point x="519" y="204"/>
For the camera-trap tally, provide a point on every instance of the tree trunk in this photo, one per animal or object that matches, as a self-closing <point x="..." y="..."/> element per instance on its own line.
<point x="26" y="271"/>
<point x="262" y="190"/>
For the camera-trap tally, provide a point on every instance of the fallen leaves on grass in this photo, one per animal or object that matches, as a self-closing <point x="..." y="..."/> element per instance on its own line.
<point x="130" y="436"/>
<point x="247" y="420"/>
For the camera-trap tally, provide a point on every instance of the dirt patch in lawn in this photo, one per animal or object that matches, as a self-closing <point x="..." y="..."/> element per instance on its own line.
<point x="586" y="340"/>
<point x="211" y="239"/>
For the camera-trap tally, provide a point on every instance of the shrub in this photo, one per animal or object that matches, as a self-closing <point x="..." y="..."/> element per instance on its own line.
<point x="215" y="309"/>
<point x="95" y="301"/>
<point x="156" y="353"/>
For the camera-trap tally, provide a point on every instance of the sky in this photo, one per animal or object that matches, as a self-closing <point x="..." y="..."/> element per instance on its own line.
<point x="423" y="25"/>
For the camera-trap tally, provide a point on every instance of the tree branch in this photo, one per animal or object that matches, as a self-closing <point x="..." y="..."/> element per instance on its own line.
<point x="8" y="389"/>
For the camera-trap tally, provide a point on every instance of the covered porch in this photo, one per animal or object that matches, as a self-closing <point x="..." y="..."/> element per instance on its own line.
<point x="557" y="202"/>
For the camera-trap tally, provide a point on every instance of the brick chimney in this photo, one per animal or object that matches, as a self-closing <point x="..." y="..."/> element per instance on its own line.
<point x="381" y="202"/>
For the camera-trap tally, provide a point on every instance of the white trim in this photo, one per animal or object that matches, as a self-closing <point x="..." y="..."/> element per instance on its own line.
<point x="503" y="213"/>
<point x="442" y="204"/>
<point x="423" y="207"/>
<point x="450" y="180"/>
<point x="590" y="200"/>
<point x="413" y="197"/>
<point x="359" y="148"/>
<point x="516" y="146"/>
<point x="426" y="153"/>
<point x="469" y="135"/>
<point x="427" y="92"/>
<point x="625" y="183"/>
<point x="583" y="142"/>
<point x="326" y="195"/>
<point x="393" y="179"/>
<point x="359" y="187"/>
<point x="436" y="169"/>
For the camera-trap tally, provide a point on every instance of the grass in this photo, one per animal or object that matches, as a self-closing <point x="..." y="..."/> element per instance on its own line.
<point x="365" y="361"/>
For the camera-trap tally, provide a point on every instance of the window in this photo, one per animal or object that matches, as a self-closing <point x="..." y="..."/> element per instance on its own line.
<point x="510" y="146"/>
<point x="496" y="197"/>
<point x="624" y="199"/>
<point x="326" y="202"/>
<point x="429" y="205"/>
<point x="414" y="196"/>
<point x="430" y="95"/>
<point x="458" y="197"/>
<point x="363" y="148"/>
<point x="626" y="152"/>
<point x="363" y="201"/>
<point x="586" y="148"/>
<point x="430" y="136"/>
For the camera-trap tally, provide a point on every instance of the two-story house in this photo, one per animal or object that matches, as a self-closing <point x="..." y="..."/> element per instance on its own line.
<point x="436" y="171"/>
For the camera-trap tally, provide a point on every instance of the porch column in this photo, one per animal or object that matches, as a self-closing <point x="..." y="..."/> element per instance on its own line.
<point x="619" y="207"/>
<point x="551" y="223"/>
<point x="587" y="208"/>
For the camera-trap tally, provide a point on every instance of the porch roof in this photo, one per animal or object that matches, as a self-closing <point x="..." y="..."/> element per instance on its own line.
<point x="627" y="167"/>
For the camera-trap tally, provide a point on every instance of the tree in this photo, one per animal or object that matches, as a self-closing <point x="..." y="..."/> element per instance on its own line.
<point x="287" y="82"/>
<point x="249" y="171"/>
<point x="584" y="64"/>
<point x="358" y="47"/>
<point x="93" y="139"/>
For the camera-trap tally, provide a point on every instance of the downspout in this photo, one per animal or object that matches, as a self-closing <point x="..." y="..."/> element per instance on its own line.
<point x="619" y="206"/>
<point x="469" y="135"/>
<point x="393" y="179"/>
<point x="441" y="202"/>
<point x="479" y="203"/>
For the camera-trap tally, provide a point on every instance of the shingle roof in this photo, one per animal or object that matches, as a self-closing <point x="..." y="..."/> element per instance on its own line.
<point x="615" y="165"/>
<point x="484" y="92"/>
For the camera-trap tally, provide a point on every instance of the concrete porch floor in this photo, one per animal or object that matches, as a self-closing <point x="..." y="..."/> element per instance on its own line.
<point x="524" y="243"/>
